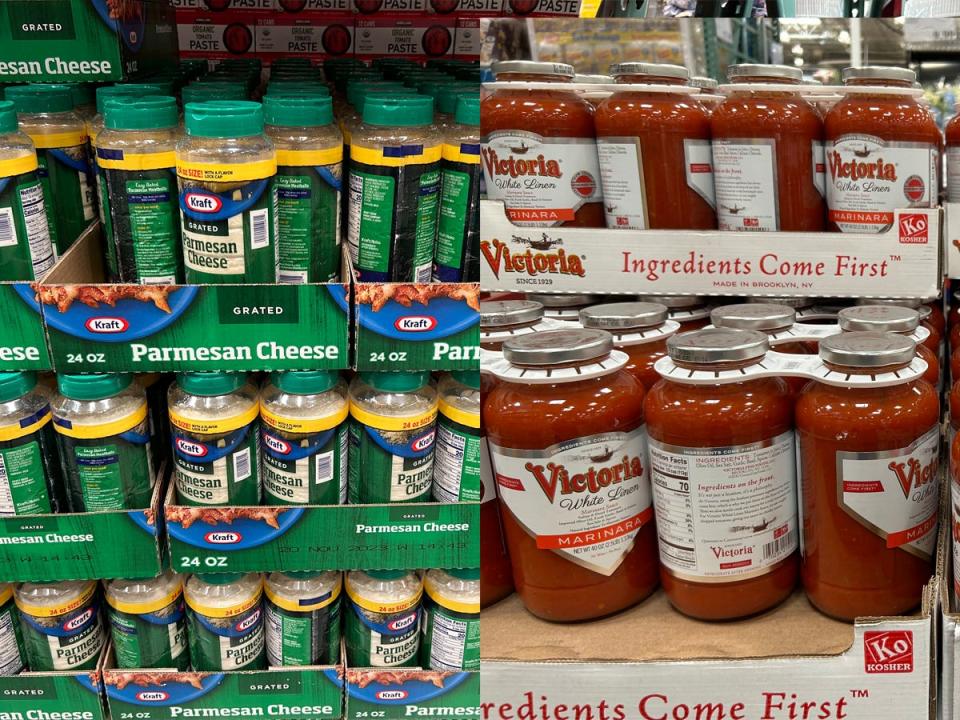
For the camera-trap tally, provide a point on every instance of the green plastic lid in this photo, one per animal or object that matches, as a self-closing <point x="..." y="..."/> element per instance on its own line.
<point x="305" y="382"/>
<point x="468" y="109"/>
<point x="386" y="574"/>
<point x="210" y="384"/>
<point x="445" y="101"/>
<point x="109" y="92"/>
<point x="396" y="381"/>
<point x="312" y="86"/>
<point x="219" y="578"/>
<point x="465" y="573"/>
<point x="470" y="378"/>
<point x="356" y="89"/>
<point x="93" y="387"/>
<point x="39" y="98"/>
<point x="8" y="116"/>
<point x="297" y="110"/>
<point x="153" y="112"/>
<point x="14" y="385"/>
<point x="82" y="94"/>
<point x="198" y="92"/>
<point x="223" y="118"/>
<point x="398" y="111"/>
<point x="341" y="78"/>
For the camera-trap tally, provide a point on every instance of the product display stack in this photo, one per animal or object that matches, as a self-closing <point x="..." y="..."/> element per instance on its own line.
<point x="239" y="387"/>
<point x="715" y="361"/>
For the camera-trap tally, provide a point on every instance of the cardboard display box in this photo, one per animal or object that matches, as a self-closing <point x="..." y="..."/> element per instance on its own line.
<point x="49" y="695"/>
<point x="385" y="35"/>
<point x="96" y="327"/>
<point x="392" y="695"/>
<point x="84" y="40"/>
<point x="903" y="262"/>
<point x="23" y="343"/>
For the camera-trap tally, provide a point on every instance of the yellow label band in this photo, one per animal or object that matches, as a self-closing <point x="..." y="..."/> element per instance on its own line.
<point x="440" y="599"/>
<point x="46" y="141"/>
<point x="293" y="606"/>
<point x="12" y="432"/>
<point x="459" y="416"/>
<point x="57" y="610"/>
<point x="302" y="425"/>
<point x="383" y="422"/>
<point x="6" y="592"/>
<point x="227" y="172"/>
<point x="214" y="427"/>
<point x="18" y="166"/>
<point x="115" y="427"/>
<point x="303" y="158"/>
<point x="376" y="156"/>
<point x="453" y="153"/>
<point x="136" y="161"/>
<point x="216" y="612"/>
<point x="385" y="608"/>
<point x="142" y="608"/>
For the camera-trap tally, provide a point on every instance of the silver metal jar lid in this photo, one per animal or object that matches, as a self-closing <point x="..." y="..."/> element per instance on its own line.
<point x="530" y="67"/>
<point x="558" y="347"/>
<point x="880" y="318"/>
<point x="878" y="72"/>
<point x="754" y="316"/>
<point x="562" y="301"/>
<point x="620" y="316"/>
<point x="752" y="70"/>
<point x="651" y="69"/>
<point x="501" y="313"/>
<point x="717" y="345"/>
<point x="704" y="83"/>
<point x="867" y="349"/>
<point x="593" y="79"/>
<point x="912" y="303"/>
<point x="675" y="302"/>
<point x="797" y="303"/>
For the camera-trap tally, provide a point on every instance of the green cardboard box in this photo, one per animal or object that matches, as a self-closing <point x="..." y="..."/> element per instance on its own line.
<point x="400" y="694"/>
<point x="23" y="343"/>
<point x="77" y="695"/>
<point x="84" y="40"/>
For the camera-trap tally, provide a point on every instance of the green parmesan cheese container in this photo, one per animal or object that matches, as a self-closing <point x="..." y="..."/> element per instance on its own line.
<point x="451" y="620"/>
<point x="303" y="618"/>
<point x="382" y="625"/>
<point x="12" y="651"/>
<point x="61" y="624"/>
<point x="225" y="621"/>
<point x="456" y="464"/>
<point x="148" y="622"/>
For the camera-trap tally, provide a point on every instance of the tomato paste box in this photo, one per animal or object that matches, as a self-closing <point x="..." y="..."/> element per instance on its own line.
<point x="541" y="8"/>
<point x="309" y="34"/>
<point x="384" y="35"/>
<point x="371" y="7"/>
<point x="478" y="8"/>
<point x="216" y="34"/>
<point x="469" y="39"/>
<point x="214" y="6"/>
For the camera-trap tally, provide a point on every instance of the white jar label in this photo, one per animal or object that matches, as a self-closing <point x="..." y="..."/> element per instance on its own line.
<point x="584" y="499"/>
<point x="725" y="513"/>
<point x="895" y="493"/>
<point x="488" y="491"/>
<point x="869" y="178"/>
<point x="745" y="175"/>
<point x="624" y="193"/>
<point x="698" y="161"/>
<point x="819" y="167"/>
<point x="541" y="180"/>
<point x="953" y="173"/>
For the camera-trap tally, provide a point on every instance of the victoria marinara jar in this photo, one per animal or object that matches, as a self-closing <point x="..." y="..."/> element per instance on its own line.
<point x="539" y="148"/>
<point x="891" y="319"/>
<point x="723" y="476"/>
<point x="882" y="149"/>
<point x="501" y="320"/>
<point x="640" y="329"/>
<point x="767" y="153"/>
<point x="567" y="438"/>
<point x="952" y="136"/>
<point x="654" y="149"/>
<point x="935" y="336"/>
<point x="868" y="477"/>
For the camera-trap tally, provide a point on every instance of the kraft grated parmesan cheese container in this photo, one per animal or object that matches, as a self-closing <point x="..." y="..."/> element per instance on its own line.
<point x="225" y="621"/>
<point x="451" y="620"/>
<point x="148" y="622"/>
<point x="382" y="625"/>
<point x="61" y="624"/>
<point x="456" y="464"/>
<point x="303" y="618"/>
<point x="12" y="653"/>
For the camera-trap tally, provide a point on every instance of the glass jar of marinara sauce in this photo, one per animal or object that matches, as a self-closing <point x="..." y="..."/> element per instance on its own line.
<point x="567" y="437"/>
<point x="891" y="319"/>
<point x="691" y="311"/>
<point x="653" y="140"/>
<point x="868" y="477"/>
<point x="954" y="399"/>
<point x="882" y="149"/>
<point x="563" y="307"/>
<point x="767" y="152"/>
<point x="640" y="329"/>
<point x="709" y="96"/>
<point x="935" y="336"/>
<point x="951" y="135"/>
<point x="722" y="470"/>
<point x="539" y="149"/>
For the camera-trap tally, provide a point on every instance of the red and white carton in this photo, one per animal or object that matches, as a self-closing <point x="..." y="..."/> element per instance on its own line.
<point x="216" y="35"/>
<point x="469" y="39"/>
<point x="541" y="8"/>
<point x="373" y="7"/>
<point x="427" y="36"/>
<point x="306" y="7"/>
<point x="307" y="34"/>
<point x="902" y="262"/>
<point x="216" y="6"/>
<point x="476" y="8"/>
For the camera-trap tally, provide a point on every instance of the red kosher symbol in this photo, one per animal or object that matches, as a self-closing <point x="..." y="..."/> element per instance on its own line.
<point x="583" y="184"/>
<point x="913" y="229"/>
<point x="914" y="188"/>
<point x="888" y="651"/>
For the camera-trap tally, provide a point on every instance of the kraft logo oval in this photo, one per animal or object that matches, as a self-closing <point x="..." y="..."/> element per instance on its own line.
<point x="202" y="202"/>
<point x="423" y="442"/>
<point x="415" y="323"/>
<point x="248" y="622"/>
<point x="281" y="447"/>
<point x="392" y="695"/>
<point x="106" y="325"/>
<point x="223" y="538"/>
<point x="152" y="696"/>
<point x="404" y="623"/>
<point x="79" y="621"/>
<point x="191" y="448"/>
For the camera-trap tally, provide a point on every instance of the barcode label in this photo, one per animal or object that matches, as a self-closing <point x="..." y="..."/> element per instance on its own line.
<point x="293" y="277"/>
<point x="6" y="496"/>
<point x="783" y="545"/>
<point x="42" y="251"/>
<point x="259" y="229"/>
<point x="355" y="200"/>
<point x="164" y="280"/>
<point x="344" y="472"/>
<point x="424" y="273"/>
<point x="324" y="467"/>
<point x="241" y="465"/>
<point x="8" y="231"/>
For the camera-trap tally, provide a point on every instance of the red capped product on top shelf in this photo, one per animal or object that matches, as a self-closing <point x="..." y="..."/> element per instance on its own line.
<point x="535" y="132"/>
<point x="767" y="149"/>
<point x="654" y="151"/>
<point x="882" y="150"/>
